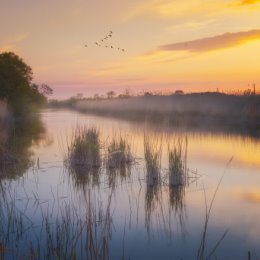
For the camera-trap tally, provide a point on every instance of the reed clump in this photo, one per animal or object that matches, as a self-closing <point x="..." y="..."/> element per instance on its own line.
<point x="152" y="154"/>
<point x="177" y="162"/>
<point x="84" y="149"/>
<point x="119" y="153"/>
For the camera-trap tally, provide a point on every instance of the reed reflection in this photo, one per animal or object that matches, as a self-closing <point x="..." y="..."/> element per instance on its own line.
<point x="176" y="178"/>
<point x="84" y="177"/>
<point x="119" y="160"/>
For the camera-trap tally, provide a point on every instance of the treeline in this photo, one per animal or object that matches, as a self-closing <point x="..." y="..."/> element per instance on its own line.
<point x="201" y="110"/>
<point x="207" y="103"/>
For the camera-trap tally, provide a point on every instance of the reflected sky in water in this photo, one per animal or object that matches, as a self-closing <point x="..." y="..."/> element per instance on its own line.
<point x="150" y="221"/>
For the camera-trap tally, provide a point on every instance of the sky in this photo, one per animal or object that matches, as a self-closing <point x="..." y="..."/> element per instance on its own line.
<point x="192" y="45"/>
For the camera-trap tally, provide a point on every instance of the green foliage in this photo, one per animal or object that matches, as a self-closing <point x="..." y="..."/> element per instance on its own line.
<point x="16" y="85"/>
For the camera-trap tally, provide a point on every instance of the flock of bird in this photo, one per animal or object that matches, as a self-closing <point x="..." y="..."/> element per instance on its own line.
<point x="103" y="43"/>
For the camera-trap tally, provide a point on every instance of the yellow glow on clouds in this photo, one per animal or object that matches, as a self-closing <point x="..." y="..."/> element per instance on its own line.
<point x="235" y="63"/>
<point x="165" y="40"/>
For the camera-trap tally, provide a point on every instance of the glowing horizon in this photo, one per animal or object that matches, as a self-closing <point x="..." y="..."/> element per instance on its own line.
<point x="169" y="45"/>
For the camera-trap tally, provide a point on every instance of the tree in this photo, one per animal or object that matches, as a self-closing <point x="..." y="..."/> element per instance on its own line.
<point x="79" y="96"/>
<point x="96" y="96"/>
<point x="16" y="87"/>
<point x="46" y="90"/>
<point x="111" y="94"/>
<point x="179" y="92"/>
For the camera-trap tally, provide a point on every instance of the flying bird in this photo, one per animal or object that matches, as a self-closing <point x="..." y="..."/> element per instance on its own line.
<point x="106" y="38"/>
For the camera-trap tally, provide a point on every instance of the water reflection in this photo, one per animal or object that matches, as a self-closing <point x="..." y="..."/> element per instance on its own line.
<point x="85" y="177"/>
<point x="176" y="198"/>
<point x="127" y="208"/>
<point x="152" y="201"/>
<point x="15" y="148"/>
<point x="69" y="232"/>
<point x="118" y="175"/>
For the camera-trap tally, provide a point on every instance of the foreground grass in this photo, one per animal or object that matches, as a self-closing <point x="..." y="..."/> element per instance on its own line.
<point x="66" y="235"/>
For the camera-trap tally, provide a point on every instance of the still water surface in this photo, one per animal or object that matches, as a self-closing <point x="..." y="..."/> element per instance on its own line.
<point x="132" y="219"/>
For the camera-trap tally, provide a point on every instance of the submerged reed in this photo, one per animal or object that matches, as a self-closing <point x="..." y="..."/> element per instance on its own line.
<point x="177" y="162"/>
<point x="119" y="153"/>
<point x="152" y="155"/>
<point x="84" y="149"/>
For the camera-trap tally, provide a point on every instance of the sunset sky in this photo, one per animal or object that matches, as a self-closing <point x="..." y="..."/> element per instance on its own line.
<point x="193" y="45"/>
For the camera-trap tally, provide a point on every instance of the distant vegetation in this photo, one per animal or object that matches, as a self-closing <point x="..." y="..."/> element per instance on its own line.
<point x="199" y="110"/>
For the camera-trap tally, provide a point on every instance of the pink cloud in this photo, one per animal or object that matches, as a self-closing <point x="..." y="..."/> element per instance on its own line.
<point x="222" y="41"/>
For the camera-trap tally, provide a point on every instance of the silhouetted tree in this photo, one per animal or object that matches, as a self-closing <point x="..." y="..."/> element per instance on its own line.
<point x="111" y="94"/>
<point x="96" y="96"/>
<point x="16" y="87"/>
<point x="79" y="96"/>
<point x="45" y="90"/>
<point x="178" y="92"/>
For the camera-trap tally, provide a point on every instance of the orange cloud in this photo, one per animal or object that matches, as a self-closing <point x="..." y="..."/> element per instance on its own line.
<point x="226" y="40"/>
<point x="249" y="2"/>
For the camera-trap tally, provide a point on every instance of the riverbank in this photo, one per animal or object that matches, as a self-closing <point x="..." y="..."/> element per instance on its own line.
<point x="209" y="111"/>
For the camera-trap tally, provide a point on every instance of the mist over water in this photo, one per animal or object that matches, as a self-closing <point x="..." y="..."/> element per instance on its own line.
<point x="131" y="217"/>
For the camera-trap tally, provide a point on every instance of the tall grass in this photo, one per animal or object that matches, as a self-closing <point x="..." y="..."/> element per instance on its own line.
<point x="119" y="152"/>
<point x="152" y="155"/>
<point x="119" y="160"/>
<point x="70" y="234"/>
<point x="84" y="149"/>
<point x="177" y="162"/>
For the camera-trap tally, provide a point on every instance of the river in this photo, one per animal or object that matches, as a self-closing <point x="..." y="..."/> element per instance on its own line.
<point x="116" y="214"/>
